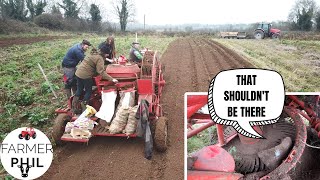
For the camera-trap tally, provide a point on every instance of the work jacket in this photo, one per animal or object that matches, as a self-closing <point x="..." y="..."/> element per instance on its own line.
<point x="106" y="49"/>
<point x="135" y="55"/>
<point x="74" y="55"/>
<point x="91" y="66"/>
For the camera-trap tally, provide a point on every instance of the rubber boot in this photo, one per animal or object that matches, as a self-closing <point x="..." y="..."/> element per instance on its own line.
<point x="74" y="90"/>
<point x="75" y="103"/>
<point x="83" y="105"/>
<point x="190" y="162"/>
<point x="273" y="157"/>
<point x="68" y="92"/>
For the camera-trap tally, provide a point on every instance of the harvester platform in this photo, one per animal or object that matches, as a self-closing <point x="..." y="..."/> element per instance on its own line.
<point x="101" y="131"/>
<point x="68" y="137"/>
<point x="97" y="131"/>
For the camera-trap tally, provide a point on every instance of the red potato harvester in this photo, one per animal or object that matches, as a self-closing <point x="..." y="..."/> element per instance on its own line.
<point x="145" y="78"/>
<point x="270" y="158"/>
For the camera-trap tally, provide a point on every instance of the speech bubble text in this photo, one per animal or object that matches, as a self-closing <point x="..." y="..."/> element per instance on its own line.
<point x="244" y="98"/>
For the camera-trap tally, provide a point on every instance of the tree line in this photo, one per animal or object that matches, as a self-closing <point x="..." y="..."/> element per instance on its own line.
<point x="65" y="14"/>
<point x="304" y="16"/>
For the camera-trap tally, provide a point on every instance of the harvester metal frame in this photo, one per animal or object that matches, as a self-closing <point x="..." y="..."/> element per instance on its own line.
<point x="127" y="75"/>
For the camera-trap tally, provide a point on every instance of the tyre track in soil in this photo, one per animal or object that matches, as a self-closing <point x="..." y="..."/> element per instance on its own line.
<point x="214" y="57"/>
<point x="179" y="80"/>
<point x="196" y="66"/>
<point x="121" y="158"/>
<point x="233" y="59"/>
<point x="214" y="64"/>
<point x="210" y="70"/>
<point x="29" y="40"/>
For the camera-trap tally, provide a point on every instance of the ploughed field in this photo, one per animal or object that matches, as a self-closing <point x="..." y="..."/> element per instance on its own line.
<point x="190" y="64"/>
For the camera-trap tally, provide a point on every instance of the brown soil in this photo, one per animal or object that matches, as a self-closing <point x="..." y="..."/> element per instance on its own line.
<point x="18" y="41"/>
<point x="190" y="65"/>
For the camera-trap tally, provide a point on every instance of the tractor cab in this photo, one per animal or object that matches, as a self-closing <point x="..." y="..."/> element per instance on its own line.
<point x="265" y="27"/>
<point x="265" y="30"/>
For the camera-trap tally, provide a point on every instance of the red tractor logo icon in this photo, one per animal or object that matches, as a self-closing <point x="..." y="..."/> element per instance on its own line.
<point x="29" y="132"/>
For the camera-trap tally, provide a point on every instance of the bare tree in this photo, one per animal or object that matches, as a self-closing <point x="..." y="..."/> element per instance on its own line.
<point x="125" y="11"/>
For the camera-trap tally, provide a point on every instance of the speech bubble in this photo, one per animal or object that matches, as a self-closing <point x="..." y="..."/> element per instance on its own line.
<point x="243" y="98"/>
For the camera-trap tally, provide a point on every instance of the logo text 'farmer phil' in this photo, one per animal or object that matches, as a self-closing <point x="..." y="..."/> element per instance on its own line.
<point x="246" y="97"/>
<point x="26" y="149"/>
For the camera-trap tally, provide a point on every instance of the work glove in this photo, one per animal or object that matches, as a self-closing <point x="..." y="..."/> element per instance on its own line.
<point x="110" y="60"/>
<point x="115" y="80"/>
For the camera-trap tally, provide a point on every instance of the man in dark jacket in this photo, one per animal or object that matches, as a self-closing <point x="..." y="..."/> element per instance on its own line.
<point x="74" y="55"/>
<point x="135" y="54"/>
<point x="107" y="48"/>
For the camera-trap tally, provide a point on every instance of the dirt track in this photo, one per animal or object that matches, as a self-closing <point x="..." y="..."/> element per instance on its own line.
<point x="190" y="65"/>
<point x="16" y="41"/>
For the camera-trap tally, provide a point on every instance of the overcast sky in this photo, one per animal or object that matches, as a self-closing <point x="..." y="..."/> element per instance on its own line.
<point x="160" y="12"/>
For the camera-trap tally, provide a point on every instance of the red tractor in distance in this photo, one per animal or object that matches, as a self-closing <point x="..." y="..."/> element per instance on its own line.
<point x="265" y="30"/>
<point x="29" y="132"/>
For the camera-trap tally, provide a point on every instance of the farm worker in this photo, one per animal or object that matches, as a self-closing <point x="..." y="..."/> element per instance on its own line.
<point x="108" y="50"/>
<point x="74" y="55"/>
<point x="91" y="66"/>
<point x="135" y="54"/>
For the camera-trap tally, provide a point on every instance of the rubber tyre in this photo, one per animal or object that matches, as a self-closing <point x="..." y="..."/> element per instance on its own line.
<point x="58" y="128"/>
<point x="258" y="34"/>
<point x="161" y="134"/>
<point x="34" y="135"/>
<point x="27" y="137"/>
<point x="20" y="136"/>
<point x="275" y="36"/>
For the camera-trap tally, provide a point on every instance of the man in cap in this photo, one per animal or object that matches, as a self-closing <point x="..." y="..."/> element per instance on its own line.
<point x="74" y="55"/>
<point x="135" y="54"/>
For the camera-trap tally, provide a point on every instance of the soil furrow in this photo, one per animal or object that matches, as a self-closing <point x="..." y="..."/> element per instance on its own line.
<point x="194" y="76"/>
<point x="203" y="76"/>
<point x="212" y="62"/>
<point x="234" y="59"/>
<point x="203" y="61"/>
<point x="232" y="63"/>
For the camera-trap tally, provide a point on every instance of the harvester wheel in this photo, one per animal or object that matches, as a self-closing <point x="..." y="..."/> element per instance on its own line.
<point x="20" y="136"/>
<point x="161" y="133"/>
<point x="258" y="34"/>
<point x="58" y="128"/>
